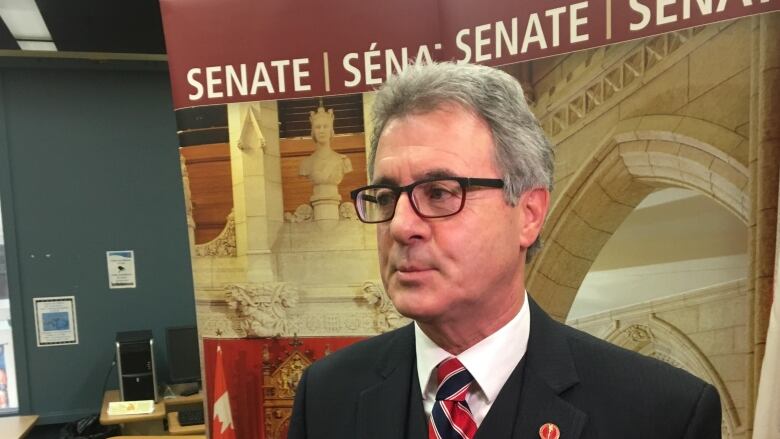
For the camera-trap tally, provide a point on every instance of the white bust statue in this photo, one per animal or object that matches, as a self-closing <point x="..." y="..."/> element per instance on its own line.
<point x="324" y="166"/>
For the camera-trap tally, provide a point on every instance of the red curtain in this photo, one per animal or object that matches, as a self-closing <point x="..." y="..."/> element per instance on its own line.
<point x="243" y="359"/>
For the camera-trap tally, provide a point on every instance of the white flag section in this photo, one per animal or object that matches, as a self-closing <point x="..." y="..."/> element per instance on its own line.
<point x="222" y="413"/>
<point x="766" y="424"/>
<point x="223" y="417"/>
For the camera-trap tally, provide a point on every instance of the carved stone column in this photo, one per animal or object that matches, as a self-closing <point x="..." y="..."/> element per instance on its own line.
<point x="185" y="180"/>
<point x="368" y="121"/>
<point x="257" y="185"/>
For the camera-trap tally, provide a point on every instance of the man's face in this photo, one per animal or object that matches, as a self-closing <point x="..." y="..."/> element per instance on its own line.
<point x="466" y="266"/>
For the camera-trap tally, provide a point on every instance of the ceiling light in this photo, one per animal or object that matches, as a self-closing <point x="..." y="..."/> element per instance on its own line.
<point x="36" y="45"/>
<point x="24" y="20"/>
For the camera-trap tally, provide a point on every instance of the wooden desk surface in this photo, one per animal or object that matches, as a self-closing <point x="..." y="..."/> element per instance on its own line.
<point x="17" y="426"/>
<point x="113" y="395"/>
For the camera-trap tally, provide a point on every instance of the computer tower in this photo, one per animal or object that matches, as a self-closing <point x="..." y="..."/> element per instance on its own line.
<point x="135" y="365"/>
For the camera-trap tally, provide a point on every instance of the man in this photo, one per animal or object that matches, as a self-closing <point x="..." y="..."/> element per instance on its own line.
<point x="461" y="176"/>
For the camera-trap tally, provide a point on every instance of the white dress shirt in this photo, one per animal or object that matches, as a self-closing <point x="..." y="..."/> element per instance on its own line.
<point x="490" y="362"/>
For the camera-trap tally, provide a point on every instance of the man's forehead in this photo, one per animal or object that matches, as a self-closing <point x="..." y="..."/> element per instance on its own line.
<point x="419" y="161"/>
<point x="391" y="177"/>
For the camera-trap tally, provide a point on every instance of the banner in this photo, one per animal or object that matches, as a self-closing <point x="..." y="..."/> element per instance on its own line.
<point x="766" y="424"/>
<point x="246" y="50"/>
<point x="651" y="105"/>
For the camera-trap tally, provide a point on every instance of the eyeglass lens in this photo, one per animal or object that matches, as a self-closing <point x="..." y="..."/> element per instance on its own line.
<point x="431" y="199"/>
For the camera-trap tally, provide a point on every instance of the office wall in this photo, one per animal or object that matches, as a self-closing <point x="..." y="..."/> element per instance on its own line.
<point x="89" y="163"/>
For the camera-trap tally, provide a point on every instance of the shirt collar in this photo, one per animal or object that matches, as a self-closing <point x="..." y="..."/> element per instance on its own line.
<point x="490" y="361"/>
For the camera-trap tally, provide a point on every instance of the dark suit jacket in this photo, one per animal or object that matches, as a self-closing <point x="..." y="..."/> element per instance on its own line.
<point x="587" y="387"/>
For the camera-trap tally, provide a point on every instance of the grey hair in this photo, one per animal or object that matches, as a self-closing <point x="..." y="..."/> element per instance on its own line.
<point x="523" y="154"/>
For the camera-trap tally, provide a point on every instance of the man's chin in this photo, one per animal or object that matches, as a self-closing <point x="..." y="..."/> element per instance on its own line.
<point x="412" y="307"/>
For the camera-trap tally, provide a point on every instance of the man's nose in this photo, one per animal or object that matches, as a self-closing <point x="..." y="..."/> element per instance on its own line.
<point x="406" y="224"/>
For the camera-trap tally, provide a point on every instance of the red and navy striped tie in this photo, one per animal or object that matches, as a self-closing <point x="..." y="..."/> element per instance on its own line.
<point x="451" y="417"/>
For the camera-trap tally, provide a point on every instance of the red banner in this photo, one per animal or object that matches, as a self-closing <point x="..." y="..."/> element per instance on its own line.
<point x="244" y="362"/>
<point x="250" y="50"/>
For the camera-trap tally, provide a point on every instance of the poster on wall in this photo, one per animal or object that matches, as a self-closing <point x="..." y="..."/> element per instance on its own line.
<point x="244" y="50"/>
<point x="55" y="321"/>
<point x="641" y="98"/>
<point x="121" y="269"/>
<point x="4" y="402"/>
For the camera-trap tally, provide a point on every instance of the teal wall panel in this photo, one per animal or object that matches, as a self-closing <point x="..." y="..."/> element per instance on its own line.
<point x="93" y="165"/>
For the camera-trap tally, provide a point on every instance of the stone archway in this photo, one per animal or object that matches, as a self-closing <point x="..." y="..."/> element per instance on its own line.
<point x="640" y="155"/>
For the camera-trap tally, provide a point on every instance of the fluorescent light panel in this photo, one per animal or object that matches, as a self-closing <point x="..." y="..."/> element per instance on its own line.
<point x="25" y="22"/>
<point x="37" y="45"/>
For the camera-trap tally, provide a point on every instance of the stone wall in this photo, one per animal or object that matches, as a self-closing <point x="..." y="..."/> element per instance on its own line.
<point x="633" y="118"/>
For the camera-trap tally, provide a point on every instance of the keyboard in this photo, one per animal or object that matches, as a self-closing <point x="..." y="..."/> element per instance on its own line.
<point x="191" y="416"/>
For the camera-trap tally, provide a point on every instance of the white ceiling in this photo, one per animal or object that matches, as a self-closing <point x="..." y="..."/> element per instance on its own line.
<point x="673" y="242"/>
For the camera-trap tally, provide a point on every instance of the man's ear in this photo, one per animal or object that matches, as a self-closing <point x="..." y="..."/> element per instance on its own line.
<point x="533" y="204"/>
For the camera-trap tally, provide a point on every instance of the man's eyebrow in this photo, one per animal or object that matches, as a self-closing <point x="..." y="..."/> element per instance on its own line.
<point x="429" y="174"/>
<point x="385" y="180"/>
<point x="439" y="173"/>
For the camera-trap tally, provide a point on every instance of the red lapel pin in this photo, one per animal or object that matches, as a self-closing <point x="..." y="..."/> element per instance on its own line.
<point x="549" y="431"/>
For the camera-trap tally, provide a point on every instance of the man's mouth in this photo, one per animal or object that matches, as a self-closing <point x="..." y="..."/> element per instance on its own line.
<point x="412" y="268"/>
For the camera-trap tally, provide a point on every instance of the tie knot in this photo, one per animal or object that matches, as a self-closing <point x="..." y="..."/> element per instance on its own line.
<point x="454" y="380"/>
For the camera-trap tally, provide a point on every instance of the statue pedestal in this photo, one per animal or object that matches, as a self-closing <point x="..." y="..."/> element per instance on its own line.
<point x="326" y="200"/>
<point x="326" y="209"/>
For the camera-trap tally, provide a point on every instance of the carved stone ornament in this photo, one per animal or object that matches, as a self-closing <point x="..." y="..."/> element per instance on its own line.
<point x="303" y="213"/>
<point x="285" y="379"/>
<point x="347" y="211"/>
<point x="264" y="309"/>
<point x="224" y="244"/>
<point x="279" y="384"/>
<point x="615" y="82"/>
<point x="638" y="333"/>
<point x="387" y="317"/>
<point x="251" y="137"/>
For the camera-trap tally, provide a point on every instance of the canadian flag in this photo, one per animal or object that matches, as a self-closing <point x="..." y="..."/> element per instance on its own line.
<point x="222" y="427"/>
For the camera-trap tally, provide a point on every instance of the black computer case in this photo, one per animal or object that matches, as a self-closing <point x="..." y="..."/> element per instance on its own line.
<point x="135" y="365"/>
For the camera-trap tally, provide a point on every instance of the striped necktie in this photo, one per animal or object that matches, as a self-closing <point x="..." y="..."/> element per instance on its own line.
<point x="451" y="417"/>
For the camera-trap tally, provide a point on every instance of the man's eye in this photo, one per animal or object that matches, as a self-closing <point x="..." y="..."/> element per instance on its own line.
<point x="439" y="192"/>
<point x="385" y="199"/>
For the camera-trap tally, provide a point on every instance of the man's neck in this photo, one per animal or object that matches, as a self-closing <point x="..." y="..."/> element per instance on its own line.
<point x="456" y="337"/>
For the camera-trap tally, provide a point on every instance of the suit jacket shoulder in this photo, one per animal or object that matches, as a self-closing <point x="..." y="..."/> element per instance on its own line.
<point x="361" y="391"/>
<point x="621" y="393"/>
<point x="362" y="363"/>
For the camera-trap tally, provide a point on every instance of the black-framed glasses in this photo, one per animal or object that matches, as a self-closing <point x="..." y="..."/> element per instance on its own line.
<point x="430" y="198"/>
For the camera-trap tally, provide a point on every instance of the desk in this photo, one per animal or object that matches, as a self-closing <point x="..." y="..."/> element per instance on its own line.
<point x="172" y="404"/>
<point x="17" y="426"/>
<point x="150" y="423"/>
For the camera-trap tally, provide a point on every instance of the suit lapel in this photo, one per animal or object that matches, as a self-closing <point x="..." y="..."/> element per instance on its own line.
<point x="383" y="408"/>
<point x="549" y="372"/>
<point x="540" y="404"/>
